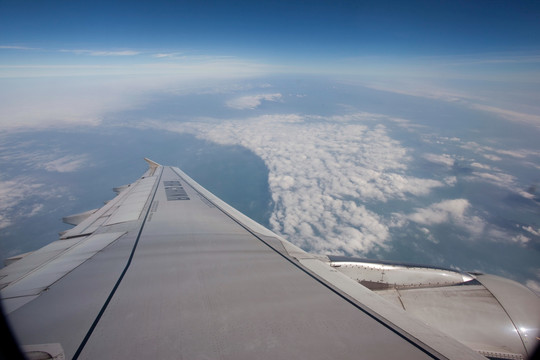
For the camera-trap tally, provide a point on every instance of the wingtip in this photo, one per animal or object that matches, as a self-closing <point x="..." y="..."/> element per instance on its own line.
<point x="152" y="166"/>
<point x="151" y="163"/>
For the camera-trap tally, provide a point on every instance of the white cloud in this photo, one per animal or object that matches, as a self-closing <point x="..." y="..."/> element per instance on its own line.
<point x="102" y="52"/>
<point x="62" y="103"/>
<point x="530" y="229"/>
<point x="493" y="154"/>
<point x="407" y="124"/>
<point x="531" y="164"/>
<point x="163" y="55"/>
<point x="443" y="159"/>
<point x="39" y="102"/>
<point x="520" y="239"/>
<point x="513" y="153"/>
<point x="450" y="180"/>
<point x="499" y="179"/>
<point x="420" y="88"/>
<point x="36" y="209"/>
<point x="534" y="286"/>
<point x="321" y="173"/>
<point x="68" y="163"/>
<point x="487" y="173"/>
<point x="509" y="114"/>
<point x="441" y="212"/>
<point x="427" y="235"/>
<point x="481" y="166"/>
<point x="13" y="47"/>
<point x="12" y="193"/>
<point x="449" y="211"/>
<point x="24" y="196"/>
<point x="492" y="157"/>
<point x="491" y="174"/>
<point x="53" y="160"/>
<point x="252" y="101"/>
<point x="497" y="234"/>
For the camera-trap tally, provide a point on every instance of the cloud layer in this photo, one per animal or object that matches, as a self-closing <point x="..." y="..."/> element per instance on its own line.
<point x="12" y="193"/>
<point x="52" y="160"/>
<point x="24" y="196"/>
<point x="321" y="173"/>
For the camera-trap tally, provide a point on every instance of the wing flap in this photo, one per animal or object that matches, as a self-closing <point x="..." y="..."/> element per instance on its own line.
<point x="131" y="206"/>
<point x="40" y="278"/>
<point x="34" y="260"/>
<point x="76" y="219"/>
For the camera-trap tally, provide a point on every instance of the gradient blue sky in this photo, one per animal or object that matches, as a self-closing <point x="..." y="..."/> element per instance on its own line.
<point x="278" y="32"/>
<point x="484" y="53"/>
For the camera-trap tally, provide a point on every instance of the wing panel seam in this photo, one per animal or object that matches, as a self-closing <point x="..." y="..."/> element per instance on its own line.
<point x="117" y="284"/>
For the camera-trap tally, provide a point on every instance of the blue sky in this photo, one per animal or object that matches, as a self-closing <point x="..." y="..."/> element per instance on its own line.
<point x="485" y="54"/>
<point x="272" y="31"/>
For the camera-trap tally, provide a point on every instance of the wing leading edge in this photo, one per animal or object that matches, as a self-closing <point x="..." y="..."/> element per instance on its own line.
<point x="168" y="270"/>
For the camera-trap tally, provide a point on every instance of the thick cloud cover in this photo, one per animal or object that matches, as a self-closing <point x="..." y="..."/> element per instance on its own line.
<point x="321" y="172"/>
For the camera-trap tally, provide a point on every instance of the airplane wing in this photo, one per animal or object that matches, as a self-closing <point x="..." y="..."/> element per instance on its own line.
<point x="166" y="270"/>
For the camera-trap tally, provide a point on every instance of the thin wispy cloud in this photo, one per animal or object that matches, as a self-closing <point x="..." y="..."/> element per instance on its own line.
<point x="102" y="52"/>
<point x="23" y="196"/>
<point x="126" y="52"/>
<point x="169" y="55"/>
<point x="159" y="56"/>
<point x="489" y="150"/>
<point x="177" y="67"/>
<point x="481" y="166"/>
<point x="252" y="101"/>
<point x="509" y="114"/>
<point x="444" y="159"/>
<point x="492" y="84"/>
<point x="14" y="193"/>
<point x="493" y="59"/>
<point x="14" y="47"/>
<point x="52" y="160"/>
<point x="68" y="163"/>
<point x="38" y="103"/>
<point x="534" y="285"/>
<point x="530" y="229"/>
<point x="471" y="101"/>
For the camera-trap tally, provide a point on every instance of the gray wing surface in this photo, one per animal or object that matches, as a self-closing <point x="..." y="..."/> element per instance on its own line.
<point x="166" y="270"/>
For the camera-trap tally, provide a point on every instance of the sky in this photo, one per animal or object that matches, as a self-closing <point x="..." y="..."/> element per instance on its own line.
<point x="416" y="118"/>
<point x="279" y="33"/>
<point x="486" y="53"/>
